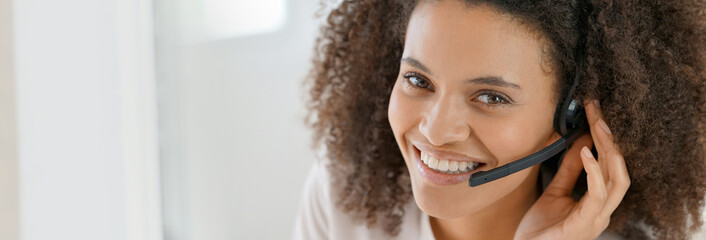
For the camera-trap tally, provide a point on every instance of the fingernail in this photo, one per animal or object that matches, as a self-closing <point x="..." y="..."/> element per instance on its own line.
<point x="586" y="152"/>
<point x="605" y="127"/>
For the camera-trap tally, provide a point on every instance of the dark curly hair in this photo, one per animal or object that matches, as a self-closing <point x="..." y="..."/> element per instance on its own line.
<point x="645" y="62"/>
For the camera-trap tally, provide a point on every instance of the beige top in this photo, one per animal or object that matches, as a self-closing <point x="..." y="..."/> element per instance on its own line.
<point x="319" y="218"/>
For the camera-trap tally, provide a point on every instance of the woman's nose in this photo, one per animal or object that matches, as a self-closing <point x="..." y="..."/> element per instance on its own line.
<point x="444" y="123"/>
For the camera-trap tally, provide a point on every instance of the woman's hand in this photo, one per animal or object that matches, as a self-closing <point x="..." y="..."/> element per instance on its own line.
<point x="556" y="215"/>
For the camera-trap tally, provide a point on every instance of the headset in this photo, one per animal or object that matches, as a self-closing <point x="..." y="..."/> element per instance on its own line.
<point x="569" y="121"/>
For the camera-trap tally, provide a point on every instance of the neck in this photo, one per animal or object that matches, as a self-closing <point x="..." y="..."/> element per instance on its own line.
<point x="497" y="221"/>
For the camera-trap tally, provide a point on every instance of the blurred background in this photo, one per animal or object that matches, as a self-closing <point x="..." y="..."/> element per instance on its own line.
<point x="234" y="149"/>
<point x="154" y="119"/>
<point x="179" y="119"/>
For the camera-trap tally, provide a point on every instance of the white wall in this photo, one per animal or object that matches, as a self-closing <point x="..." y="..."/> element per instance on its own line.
<point x="234" y="150"/>
<point x="68" y="98"/>
<point x="82" y="90"/>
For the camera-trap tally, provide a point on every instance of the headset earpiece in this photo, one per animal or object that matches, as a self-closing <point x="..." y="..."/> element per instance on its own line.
<point x="569" y="115"/>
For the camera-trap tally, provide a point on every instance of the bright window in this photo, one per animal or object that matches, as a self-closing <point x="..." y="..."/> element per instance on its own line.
<point x="234" y="18"/>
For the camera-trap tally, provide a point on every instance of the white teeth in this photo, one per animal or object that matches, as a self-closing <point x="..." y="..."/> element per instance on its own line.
<point x="443" y="165"/>
<point x="453" y="166"/>
<point x="433" y="162"/>
<point x="448" y="166"/>
<point x="462" y="165"/>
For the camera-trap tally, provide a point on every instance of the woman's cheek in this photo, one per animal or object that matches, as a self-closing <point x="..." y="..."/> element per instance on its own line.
<point x="505" y="140"/>
<point x="401" y="112"/>
<point x="393" y="110"/>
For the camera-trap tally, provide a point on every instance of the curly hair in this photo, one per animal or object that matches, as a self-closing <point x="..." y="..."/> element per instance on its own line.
<point x="645" y="62"/>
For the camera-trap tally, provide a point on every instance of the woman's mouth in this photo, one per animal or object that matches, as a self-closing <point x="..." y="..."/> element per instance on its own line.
<point x="442" y="171"/>
<point x="447" y="166"/>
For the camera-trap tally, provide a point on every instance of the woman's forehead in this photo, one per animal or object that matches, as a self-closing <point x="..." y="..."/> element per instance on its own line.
<point x="453" y="39"/>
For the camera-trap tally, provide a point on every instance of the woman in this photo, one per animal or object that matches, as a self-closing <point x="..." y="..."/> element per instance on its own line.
<point x="413" y="98"/>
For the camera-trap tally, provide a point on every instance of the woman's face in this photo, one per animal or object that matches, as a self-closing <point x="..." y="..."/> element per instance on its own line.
<point x="472" y="87"/>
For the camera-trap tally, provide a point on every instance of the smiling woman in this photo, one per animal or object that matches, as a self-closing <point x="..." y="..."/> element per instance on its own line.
<point x="473" y="120"/>
<point x="412" y="98"/>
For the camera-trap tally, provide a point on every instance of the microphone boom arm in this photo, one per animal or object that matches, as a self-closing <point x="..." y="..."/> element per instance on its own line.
<point x="526" y="162"/>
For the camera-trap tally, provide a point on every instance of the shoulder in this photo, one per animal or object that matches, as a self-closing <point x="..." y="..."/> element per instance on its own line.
<point x="312" y="220"/>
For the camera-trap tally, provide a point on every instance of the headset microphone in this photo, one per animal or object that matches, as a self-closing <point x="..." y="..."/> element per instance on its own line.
<point x="569" y="121"/>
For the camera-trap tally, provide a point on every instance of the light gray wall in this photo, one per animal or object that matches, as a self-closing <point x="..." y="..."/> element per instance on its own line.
<point x="234" y="150"/>
<point x="68" y="119"/>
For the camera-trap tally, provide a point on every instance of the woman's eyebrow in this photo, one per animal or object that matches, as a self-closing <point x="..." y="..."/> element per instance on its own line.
<point x="493" y="81"/>
<point x="415" y="63"/>
<point x="490" y="80"/>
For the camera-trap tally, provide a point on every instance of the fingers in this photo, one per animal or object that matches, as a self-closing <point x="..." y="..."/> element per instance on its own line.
<point x="586" y="217"/>
<point x="615" y="174"/>
<point x="618" y="178"/>
<point x="597" y="194"/>
<point x="563" y="182"/>
<point x="596" y="124"/>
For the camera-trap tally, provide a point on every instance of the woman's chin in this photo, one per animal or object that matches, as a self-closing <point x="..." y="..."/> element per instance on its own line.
<point x="449" y="201"/>
<point x="439" y="210"/>
<point x="434" y="202"/>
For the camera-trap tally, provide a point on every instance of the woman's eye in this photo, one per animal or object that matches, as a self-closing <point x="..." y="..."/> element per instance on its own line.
<point x="489" y="99"/>
<point x="415" y="81"/>
<point x="493" y="100"/>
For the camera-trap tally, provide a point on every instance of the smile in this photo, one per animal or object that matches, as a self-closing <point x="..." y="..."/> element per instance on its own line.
<point x="430" y="167"/>
<point x="447" y="166"/>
